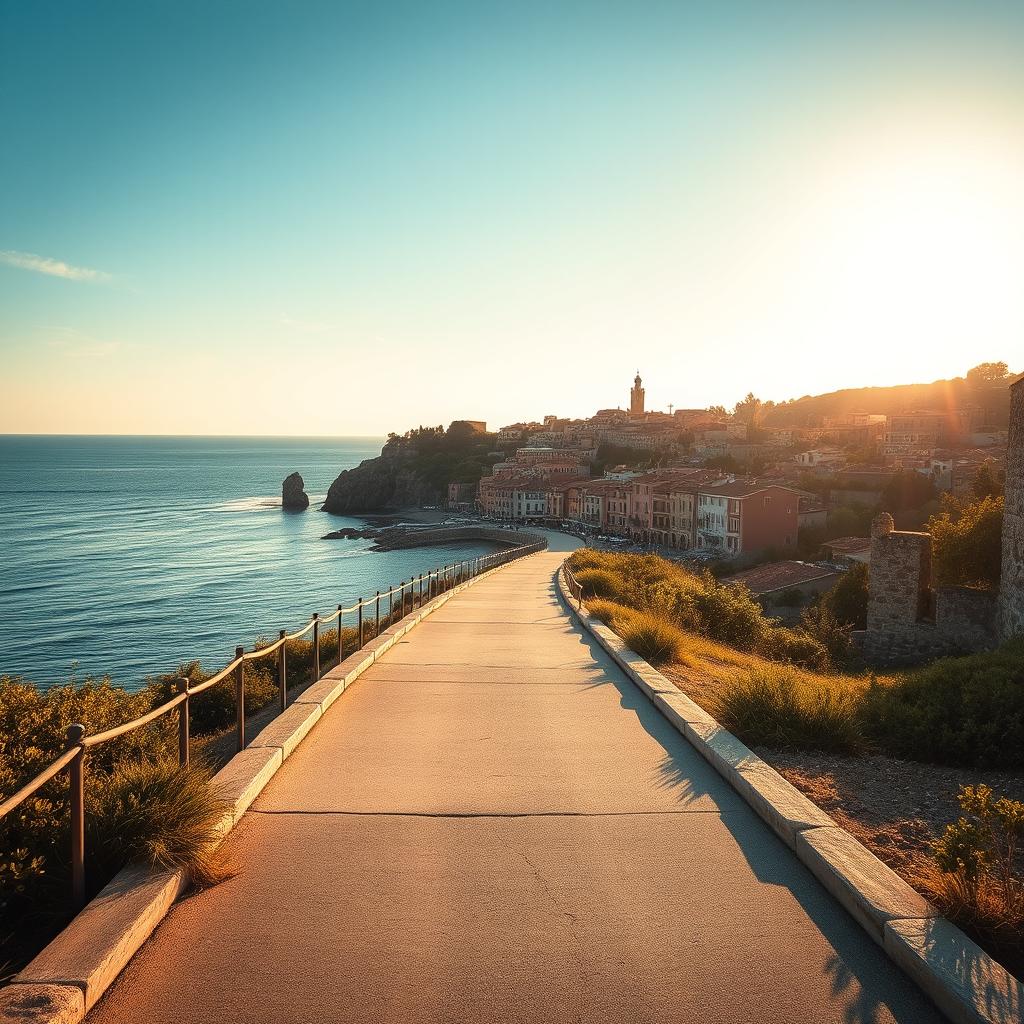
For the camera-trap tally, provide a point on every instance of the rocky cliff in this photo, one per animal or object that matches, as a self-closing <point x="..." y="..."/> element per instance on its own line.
<point x="382" y="483"/>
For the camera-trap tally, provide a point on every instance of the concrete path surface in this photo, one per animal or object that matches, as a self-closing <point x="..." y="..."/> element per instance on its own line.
<point x="494" y="824"/>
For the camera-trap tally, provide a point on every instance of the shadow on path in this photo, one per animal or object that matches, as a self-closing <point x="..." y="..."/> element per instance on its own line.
<point x="859" y="971"/>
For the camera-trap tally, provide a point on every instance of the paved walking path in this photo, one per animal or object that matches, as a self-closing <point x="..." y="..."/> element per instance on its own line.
<point x="494" y="824"/>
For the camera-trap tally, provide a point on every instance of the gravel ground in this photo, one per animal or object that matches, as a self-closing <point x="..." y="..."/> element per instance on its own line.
<point x="896" y="808"/>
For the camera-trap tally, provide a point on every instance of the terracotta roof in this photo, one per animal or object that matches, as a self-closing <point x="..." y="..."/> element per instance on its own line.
<point x="740" y="489"/>
<point x="848" y="545"/>
<point x="766" y="579"/>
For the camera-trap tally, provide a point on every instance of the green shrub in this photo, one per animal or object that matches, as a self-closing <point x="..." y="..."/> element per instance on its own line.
<point x="34" y="722"/>
<point x="847" y="601"/>
<point x="215" y="709"/>
<point x="793" y="646"/>
<point x="962" y="711"/>
<point x="835" y="636"/>
<point x="978" y="883"/>
<point x="35" y="839"/>
<point x="157" y="813"/>
<point x="780" y="707"/>
<point x="650" y="636"/>
<point x="702" y="605"/>
<point x="598" y="583"/>
<point x="967" y="542"/>
<point x="791" y="598"/>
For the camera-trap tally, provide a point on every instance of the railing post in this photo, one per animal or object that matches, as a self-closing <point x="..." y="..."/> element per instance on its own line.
<point x="316" y="647"/>
<point x="360" y="626"/>
<point x="341" y="640"/>
<point x="282" y="670"/>
<point x="183" y="713"/>
<point x="391" y="605"/>
<point x="376" y="617"/>
<point x="240" y="699"/>
<point x="76" y="785"/>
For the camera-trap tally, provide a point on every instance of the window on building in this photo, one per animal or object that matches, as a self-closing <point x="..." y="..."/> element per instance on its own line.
<point x="767" y="500"/>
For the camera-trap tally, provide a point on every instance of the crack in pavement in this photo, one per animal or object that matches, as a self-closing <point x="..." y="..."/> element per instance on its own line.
<point x="487" y="814"/>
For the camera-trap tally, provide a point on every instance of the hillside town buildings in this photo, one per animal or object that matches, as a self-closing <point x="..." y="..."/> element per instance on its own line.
<point x="705" y="481"/>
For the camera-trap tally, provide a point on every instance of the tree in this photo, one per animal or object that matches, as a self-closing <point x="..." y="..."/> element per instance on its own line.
<point x="908" y="490"/>
<point x="987" y="374"/>
<point x="847" y="601"/>
<point x="985" y="483"/>
<point x="967" y="542"/>
<point x="717" y="410"/>
<point x="749" y="410"/>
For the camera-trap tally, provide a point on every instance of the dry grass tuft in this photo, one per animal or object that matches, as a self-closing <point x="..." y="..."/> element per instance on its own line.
<point x="778" y="706"/>
<point x="650" y="636"/>
<point x="161" y="814"/>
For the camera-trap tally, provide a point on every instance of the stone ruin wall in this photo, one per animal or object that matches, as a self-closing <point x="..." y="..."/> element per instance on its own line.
<point x="909" y="623"/>
<point x="1011" y="590"/>
<point x="900" y="628"/>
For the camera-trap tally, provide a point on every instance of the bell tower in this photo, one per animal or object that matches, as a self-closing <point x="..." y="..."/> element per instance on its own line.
<point x="636" y="397"/>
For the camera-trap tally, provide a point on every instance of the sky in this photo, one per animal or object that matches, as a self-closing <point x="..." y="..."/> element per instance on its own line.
<point x="328" y="218"/>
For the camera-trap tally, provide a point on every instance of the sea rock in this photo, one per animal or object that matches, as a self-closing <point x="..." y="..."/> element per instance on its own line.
<point x="293" y="495"/>
<point x="351" y="533"/>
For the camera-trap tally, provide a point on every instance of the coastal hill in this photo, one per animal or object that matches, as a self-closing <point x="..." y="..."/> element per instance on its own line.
<point x="980" y="390"/>
<point x="414" y="469"/>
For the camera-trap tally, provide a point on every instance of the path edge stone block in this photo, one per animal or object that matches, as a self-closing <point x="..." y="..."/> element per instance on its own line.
<point x="289" y="729"/>
<point x="871" y="891"/>
<point x="30" y="1003"/>
<point x="957" y="975"/>
<point x="95" y="946"/>
<point x="240" y="781"/>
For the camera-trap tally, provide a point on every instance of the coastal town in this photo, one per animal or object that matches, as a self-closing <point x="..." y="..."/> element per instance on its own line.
<point x="708" y="484"/>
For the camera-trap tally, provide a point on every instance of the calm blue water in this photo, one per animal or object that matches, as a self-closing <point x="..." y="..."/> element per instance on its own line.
<point x="128" y="556"/>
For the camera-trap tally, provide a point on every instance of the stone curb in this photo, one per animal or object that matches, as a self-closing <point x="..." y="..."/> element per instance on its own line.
<point x="69" y="976"/>
<point x="963" y="981"/>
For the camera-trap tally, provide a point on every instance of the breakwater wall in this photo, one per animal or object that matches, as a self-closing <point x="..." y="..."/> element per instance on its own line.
<point x="417" y="537"/>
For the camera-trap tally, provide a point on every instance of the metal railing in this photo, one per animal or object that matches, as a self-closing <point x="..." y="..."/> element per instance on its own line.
<point x="402" y="600"/>
<point x="574" y="586"/>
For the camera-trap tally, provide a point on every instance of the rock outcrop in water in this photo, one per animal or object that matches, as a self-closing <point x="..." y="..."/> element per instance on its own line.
<point x="351" y="533"/>
<point x="293" y="495"/>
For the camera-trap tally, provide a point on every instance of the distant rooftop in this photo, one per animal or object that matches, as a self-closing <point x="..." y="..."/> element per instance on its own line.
<point x="848" y="545"/>
<point x="766" y="579"/>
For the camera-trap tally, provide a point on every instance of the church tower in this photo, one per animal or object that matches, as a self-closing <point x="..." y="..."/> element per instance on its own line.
<point x="636" y="397"/>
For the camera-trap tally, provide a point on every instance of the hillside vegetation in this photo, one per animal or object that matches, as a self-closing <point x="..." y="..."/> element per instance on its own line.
<point x="413" y="469"/>
<point x="958" y="393"/>
<point x="786" y="687"/>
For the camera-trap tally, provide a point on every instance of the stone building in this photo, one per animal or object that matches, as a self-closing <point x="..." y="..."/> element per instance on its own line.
<point x="1011" y="590"/>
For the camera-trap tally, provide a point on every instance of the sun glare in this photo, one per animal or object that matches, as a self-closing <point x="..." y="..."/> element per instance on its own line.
<point x="916" y="246"/>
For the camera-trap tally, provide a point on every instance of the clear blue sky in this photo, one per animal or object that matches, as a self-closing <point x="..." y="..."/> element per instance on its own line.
<point x="348" y="218"/>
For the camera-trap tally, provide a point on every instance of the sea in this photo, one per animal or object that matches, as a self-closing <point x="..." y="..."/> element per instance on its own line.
<point x="127" y="556"/>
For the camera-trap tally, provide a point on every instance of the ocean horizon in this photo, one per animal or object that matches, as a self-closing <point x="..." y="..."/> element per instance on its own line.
<point x="127" y="555"/>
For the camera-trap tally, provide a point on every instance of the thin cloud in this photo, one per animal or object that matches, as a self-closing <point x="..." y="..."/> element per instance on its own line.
<point x="46" y="265"/>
